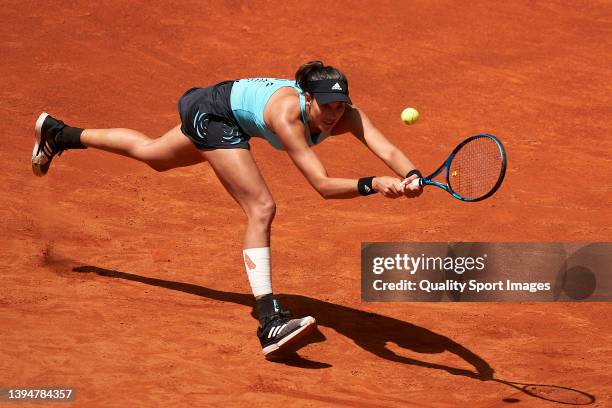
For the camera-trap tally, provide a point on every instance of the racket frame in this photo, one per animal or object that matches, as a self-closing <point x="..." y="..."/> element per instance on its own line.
<point x="427" y="181"/>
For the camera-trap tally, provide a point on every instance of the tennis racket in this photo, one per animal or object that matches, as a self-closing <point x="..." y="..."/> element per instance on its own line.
<point x="474" y="170"/>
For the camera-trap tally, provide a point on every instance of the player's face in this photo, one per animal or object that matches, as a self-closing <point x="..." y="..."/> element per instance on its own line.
<point x="324" y="117"/>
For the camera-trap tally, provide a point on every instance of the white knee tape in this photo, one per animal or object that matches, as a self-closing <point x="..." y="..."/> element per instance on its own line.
<point x="257" y="263"/>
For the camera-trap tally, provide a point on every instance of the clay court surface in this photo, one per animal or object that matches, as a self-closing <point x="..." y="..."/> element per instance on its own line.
<point x="128" y="285"/>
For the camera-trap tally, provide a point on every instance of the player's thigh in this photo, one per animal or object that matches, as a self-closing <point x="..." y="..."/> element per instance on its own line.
<point x="238" y="172"/>
<point x="173" y="149"/>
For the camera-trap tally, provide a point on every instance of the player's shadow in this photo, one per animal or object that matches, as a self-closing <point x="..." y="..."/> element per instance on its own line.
<point x="372" y="332"/>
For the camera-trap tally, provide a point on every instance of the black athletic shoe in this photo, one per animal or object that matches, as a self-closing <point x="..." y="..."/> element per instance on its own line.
<point x="279" y="330"/>
<point x="45" y="147"/>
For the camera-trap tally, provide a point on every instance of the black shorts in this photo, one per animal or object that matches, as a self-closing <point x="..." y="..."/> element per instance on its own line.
<point x="207" y="118"/>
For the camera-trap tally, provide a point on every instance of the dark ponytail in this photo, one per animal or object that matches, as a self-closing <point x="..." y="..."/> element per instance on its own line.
<point x="315" y="70"/>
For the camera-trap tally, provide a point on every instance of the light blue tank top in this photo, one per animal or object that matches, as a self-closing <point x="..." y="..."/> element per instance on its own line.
<point x="248" y="100"/>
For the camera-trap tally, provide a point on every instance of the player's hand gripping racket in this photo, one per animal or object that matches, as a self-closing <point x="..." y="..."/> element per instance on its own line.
<point x="474" y="170"/>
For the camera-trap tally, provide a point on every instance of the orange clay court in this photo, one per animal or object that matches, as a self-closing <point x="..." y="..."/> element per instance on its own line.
<point x="128" y="285"/>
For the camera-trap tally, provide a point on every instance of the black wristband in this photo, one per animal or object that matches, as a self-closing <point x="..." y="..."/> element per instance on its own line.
<point x="364" y="185"/>
<point x="413" y="172"/>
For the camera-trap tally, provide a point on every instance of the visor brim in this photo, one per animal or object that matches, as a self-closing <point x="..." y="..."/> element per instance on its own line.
<point x="329" y="97"/>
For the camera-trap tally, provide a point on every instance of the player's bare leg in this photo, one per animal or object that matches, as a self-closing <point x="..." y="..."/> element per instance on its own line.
<point x="238" y="172"/>
<point x="53" y="136"/>
<point x="171" y="150"/>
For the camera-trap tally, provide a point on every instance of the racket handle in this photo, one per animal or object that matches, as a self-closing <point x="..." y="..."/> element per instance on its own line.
<point x="414" y="183"/>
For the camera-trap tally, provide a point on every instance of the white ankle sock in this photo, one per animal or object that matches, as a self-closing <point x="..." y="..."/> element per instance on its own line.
<point x="257" y="263"/>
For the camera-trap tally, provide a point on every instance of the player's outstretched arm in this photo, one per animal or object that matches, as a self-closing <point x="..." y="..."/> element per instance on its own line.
<point x="356" y="122"/>
<point x="290" y="130"/>
<point x="305" y="159"/>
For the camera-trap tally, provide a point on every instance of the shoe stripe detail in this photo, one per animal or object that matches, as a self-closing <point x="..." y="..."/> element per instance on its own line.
<point x="271" y="333"/>
<point x="310" y="322"/>
<point x="44" y="148"/>
<point x="48" y="147"/>
<point x="276" y="330"/>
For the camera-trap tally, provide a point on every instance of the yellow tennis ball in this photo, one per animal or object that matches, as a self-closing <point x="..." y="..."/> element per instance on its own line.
<point x="410" y="115"/>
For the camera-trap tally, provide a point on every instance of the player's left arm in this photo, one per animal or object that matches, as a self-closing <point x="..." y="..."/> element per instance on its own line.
<point x="357" y="123"/>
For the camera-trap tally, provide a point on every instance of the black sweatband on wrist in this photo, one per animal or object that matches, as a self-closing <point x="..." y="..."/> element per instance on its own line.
<point x="413" y="172"/>
<point x="364" y="185"/>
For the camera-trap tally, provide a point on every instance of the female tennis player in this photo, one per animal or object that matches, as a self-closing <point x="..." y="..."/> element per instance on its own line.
<point x="216" y="125"/>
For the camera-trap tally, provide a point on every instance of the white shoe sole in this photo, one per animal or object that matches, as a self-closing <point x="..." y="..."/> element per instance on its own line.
<point x="307" y="323"/>
<point x="36" y="157"/>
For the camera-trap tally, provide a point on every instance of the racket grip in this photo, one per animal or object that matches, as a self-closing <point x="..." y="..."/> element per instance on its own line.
<point x="414" y="183"/>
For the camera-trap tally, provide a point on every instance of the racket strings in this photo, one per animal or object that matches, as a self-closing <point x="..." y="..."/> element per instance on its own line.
<point x="476" y="168"/>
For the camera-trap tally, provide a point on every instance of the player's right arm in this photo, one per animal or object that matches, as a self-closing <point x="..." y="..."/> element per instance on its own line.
<point x="289" y="128"/>
<point x="356" y="122"/>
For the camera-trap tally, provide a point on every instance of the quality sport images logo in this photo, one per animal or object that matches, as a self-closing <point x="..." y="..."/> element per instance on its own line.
<point x="486" y="271"/>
